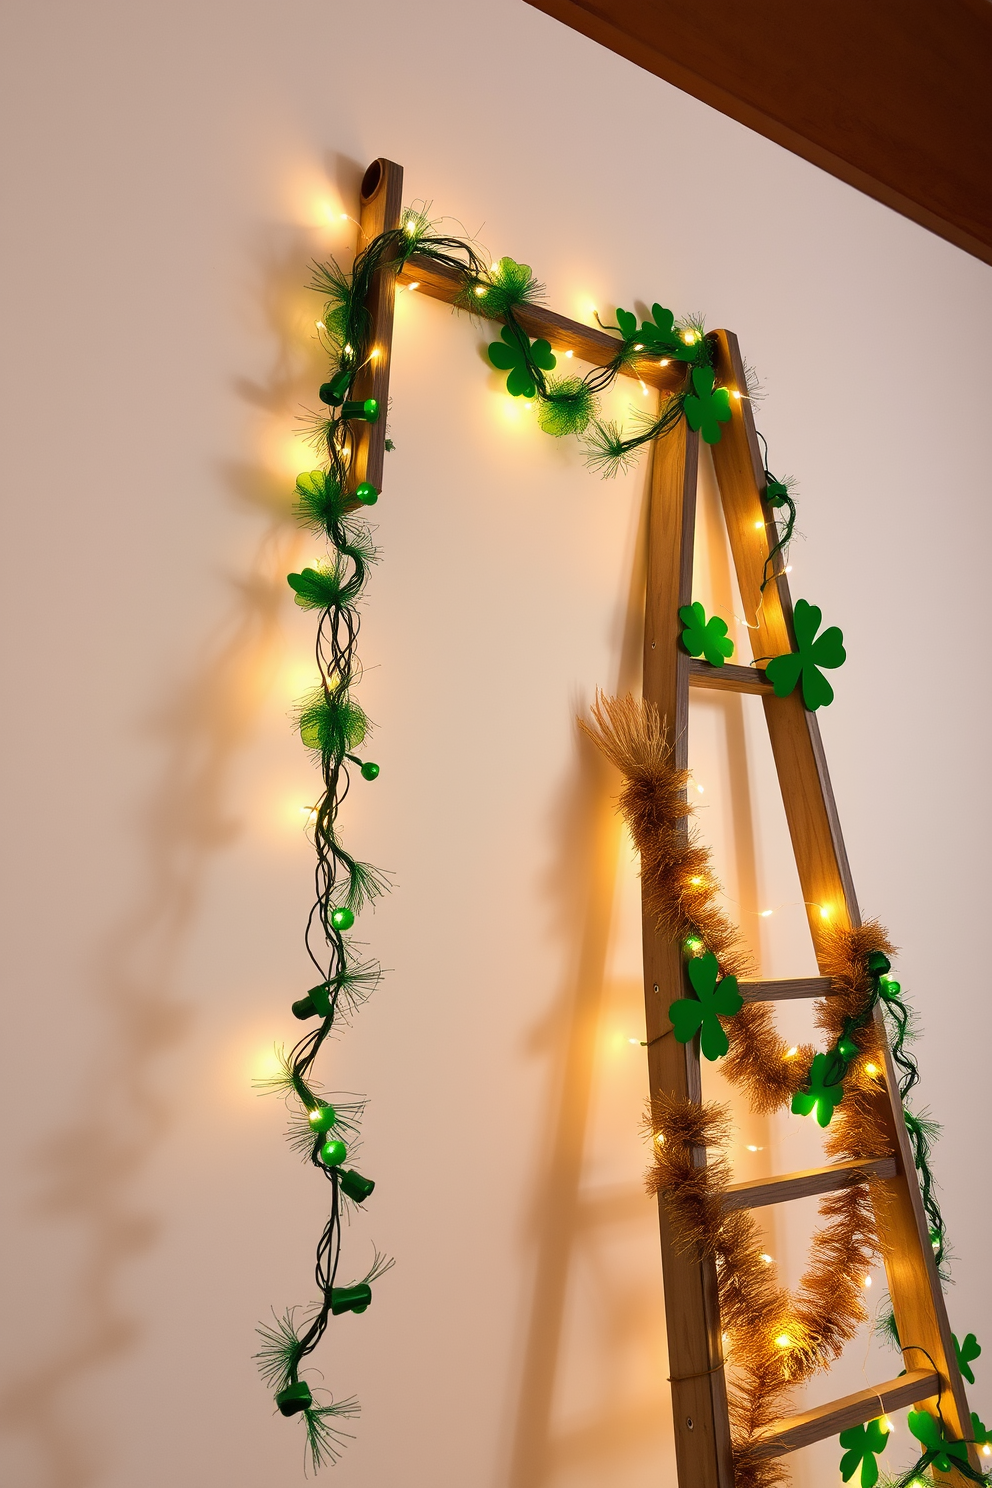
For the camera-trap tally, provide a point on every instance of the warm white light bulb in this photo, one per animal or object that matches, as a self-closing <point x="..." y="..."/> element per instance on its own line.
<point x="766" y="1258"/>
<point x="766" y="912"/>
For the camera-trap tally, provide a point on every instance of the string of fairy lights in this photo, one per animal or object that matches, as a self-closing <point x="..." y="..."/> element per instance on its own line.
<point x="332" y="503"/>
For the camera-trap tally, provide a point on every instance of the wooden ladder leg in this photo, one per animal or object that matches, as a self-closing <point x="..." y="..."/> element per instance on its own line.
<point x="695" y="1351"/>
<point x="381" y="210"/>
<point x="828" y="888"/>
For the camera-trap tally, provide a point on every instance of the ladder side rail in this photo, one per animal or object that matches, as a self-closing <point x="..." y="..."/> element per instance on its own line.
<point x="825" y="876"/>
<point x="692" y="1312"/>
<point x="381" y="211"/>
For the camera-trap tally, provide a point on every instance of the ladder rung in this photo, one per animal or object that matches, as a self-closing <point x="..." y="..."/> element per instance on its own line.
<point x="786" y="988"/>
<point x="728" y="678"/>
<point x="829" y="1420"/>
<point x="806" y="1184"/>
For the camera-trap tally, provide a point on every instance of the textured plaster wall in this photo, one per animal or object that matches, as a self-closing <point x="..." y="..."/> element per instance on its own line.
<point x="170" y="170"/>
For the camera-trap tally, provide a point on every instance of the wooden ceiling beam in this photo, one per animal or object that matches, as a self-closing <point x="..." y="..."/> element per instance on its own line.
<point x="894" y="97"/>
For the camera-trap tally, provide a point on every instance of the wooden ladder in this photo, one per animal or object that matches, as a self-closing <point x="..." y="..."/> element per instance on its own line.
<point x="699" y="1393"/>
<point x="702" y="1431"/>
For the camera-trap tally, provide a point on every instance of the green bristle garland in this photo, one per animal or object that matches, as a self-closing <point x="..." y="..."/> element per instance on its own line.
<point x="567" y="407"/>
<point x="331" y="723"/>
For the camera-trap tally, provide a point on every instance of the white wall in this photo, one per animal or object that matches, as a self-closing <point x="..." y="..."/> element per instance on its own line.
<point x="171" y="170"/>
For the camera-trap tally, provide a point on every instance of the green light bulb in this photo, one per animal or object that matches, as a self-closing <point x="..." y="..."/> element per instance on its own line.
<point x="369" y="770"/>
<point x="333" y="392"/>
<point x="847" y="1049"/>
<point x="366" y="493"/>
<point x="365" y="408"/>
<point x="342" y="918"/>
<point x="350" y="1299"/>
<point x="323" y="1118"/>
<point x="355" y="1186"/>
<point x="294" y="1398"/>
<point x="333" y="1153"/>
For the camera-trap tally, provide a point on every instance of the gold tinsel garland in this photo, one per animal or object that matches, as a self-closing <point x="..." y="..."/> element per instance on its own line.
<point x="775" y="1340"/>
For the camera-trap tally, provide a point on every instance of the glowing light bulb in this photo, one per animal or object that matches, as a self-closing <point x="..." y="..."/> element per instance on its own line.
<point x="376" y="351"/>
<point x="633" y="1041"/>
<point x="824" y="912"/>
<point x="660" y="1138"/>
<point x="569" y="353"/>
<point x="638" y="348"/>
<point x="867" y="1281"/>
<point x="766" y="912"/>
<point x="887" y="1426"/>
<point x="987" y="1451"/>
<point x="414" y="285"/>
<point x="700" y="789"/>
<point x="784" y="1341"/>
<point x="348" y="350"/>
<point x="759" y="525"/>
<point x="755" y="1149"/>
<point x="870" y="1069"/>
<point x="791" y="1053"/>
<point x="787" y="568"/>
<point x="697" y="880"/>
<point x="310" y="812"/>
<point x="663" y="363"/>
<point x="409" y="226"/>
<point x="736" y="395"/>
<point x="319" y="324"/>
<point x="693" y="945"/>
<point x="644" y="390"/>
<point x="766" y="1258"/>
<point x="480" y="289"/>
<point x="688" y="337"/>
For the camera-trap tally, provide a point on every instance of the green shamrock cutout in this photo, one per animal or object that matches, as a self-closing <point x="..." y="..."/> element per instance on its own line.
<point x="706" y="409"/>
<point x="820" y="1097"/>
<point x="930" y="1434"/>
<point x="827" y="650"/>
<point x="967" y="1351"/>
<point x="980" y="1435"/>
<point x="863" y="1445"/>
<point x="703" y="637"/>
<point x="509" y="356"/>
<point x="657" y="335"/>
<point x="704" y="1011"/>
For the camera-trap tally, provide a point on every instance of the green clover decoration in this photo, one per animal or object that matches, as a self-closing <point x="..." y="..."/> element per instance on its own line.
<point x="821" y="1097"/>
<point x="658" y="335"/>
<point x="707" y="408"/>
<point x="712" y="1002"/>
<point x="980" y="1435"/>
<point x="863" y="1444"/>
<point x="826" y="650"/>
<point x="702" y="637"/>
<point x="966" y="1352"/>
<point x="510" y="355"/>
<point x="930" y="1434"/>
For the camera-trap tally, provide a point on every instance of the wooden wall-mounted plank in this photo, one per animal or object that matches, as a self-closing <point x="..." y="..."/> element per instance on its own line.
<point x="894" y="97"/>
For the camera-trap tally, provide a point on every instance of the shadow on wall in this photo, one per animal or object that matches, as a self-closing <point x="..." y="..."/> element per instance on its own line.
<point x="564" y="1220"/>
<point x="121" y="1113"/>
<point x="583" y="888"/>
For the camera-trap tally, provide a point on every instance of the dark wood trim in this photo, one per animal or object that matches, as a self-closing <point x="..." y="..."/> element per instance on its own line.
<point x="893" y="98"/>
